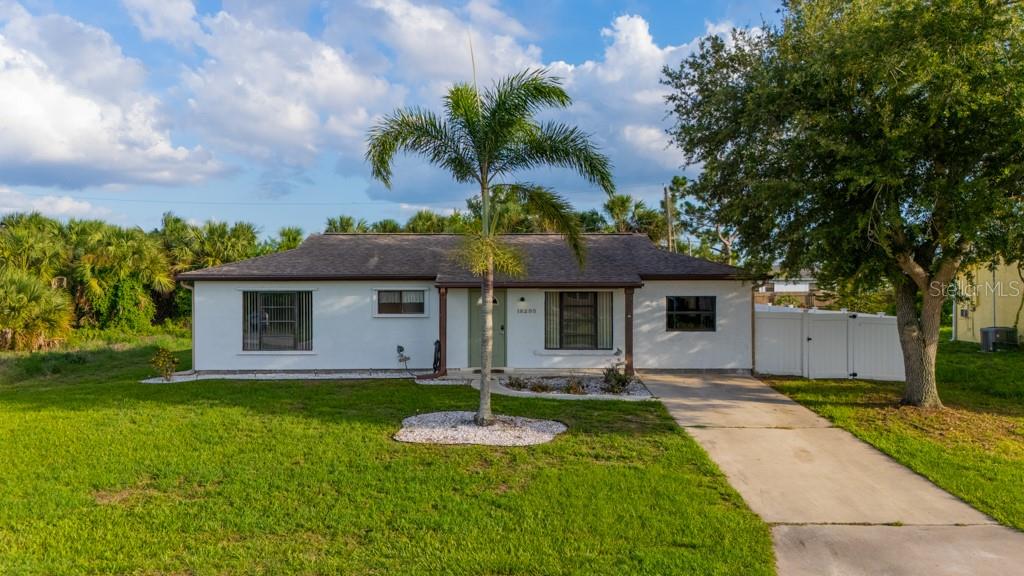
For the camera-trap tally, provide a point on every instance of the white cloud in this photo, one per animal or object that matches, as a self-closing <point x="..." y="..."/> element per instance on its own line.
<point x="279" y="95"/>
<point x="171" y="20"/>
<point x="50" y="205"/>
<point x="74" y="112"/>
<point x="653" y="142"/>
<point x="431" y="44"/>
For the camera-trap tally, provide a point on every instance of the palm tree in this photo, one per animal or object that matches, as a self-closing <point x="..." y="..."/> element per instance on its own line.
<point x="425" y="222"/>
<point x="30" y="310"/>
<point x="346" y="225"/>
<point x="288" y="238"/>
<point x="31" y="242"/>
<point x="486" y="138"/>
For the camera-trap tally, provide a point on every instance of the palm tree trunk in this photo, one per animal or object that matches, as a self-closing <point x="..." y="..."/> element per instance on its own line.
<point x="483" y="415"/>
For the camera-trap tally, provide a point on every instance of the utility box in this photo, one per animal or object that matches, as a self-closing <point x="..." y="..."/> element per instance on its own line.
<point x="995" y="338"/>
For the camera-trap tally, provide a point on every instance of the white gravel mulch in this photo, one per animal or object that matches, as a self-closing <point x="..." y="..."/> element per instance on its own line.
<point x="459" y="428"/>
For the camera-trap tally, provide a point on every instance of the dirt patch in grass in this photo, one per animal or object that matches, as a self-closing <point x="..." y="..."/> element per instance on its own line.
<point x="146" y="489"/>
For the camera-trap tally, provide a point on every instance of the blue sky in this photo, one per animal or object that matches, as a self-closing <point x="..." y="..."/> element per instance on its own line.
<point x="256" y="110"/>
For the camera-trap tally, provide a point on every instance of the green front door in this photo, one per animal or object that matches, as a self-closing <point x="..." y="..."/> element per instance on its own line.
<point x="475" y="326"/>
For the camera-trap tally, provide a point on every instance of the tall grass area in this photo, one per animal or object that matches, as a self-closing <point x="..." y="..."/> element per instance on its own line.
<point x="974" y="448"/>
<point x="104" y="475"/>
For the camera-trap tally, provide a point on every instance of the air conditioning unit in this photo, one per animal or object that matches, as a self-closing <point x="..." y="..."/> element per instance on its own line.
<point x="996" y="338"/>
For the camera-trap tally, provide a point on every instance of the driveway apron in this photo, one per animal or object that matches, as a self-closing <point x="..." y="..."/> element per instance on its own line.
<point x="837" y="506"/>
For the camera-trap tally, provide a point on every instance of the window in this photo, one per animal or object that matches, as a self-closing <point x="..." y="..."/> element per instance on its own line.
<point x="578" y="320"/>
<point x="277" y="321"/>
<point x="690" y="314"/>
<point x="401" y="302"/>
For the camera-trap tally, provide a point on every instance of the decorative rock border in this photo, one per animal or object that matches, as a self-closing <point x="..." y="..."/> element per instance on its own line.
<point x="191" y="376"/>
<point x="458" y="427"/>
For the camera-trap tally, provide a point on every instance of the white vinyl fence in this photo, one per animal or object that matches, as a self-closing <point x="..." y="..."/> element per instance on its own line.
<point x="826" y="344"/>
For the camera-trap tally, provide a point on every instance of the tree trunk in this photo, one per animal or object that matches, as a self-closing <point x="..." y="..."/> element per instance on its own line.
<point x="483" y="415"/>
<point x="919" y="338"/>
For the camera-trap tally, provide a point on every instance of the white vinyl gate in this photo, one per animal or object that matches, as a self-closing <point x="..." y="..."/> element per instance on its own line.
<point x="826" y="344"/>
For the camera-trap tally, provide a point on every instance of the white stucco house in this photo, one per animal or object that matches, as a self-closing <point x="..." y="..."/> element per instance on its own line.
<point x="348" y="301"/>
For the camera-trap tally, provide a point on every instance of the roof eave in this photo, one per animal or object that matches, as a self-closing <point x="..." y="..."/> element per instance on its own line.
<point x="696" y="277"/>
<point x="298" y="278"/>
<point x="550" y="284"/>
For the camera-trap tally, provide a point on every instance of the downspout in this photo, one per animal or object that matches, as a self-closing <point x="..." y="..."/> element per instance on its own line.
<point x="192" y="321"/>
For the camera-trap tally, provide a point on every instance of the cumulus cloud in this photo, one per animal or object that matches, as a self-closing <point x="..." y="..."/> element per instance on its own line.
<point x="50" y="205"/>
<point x="278" y="95"/>
<point x="171" y="20"/>
<point x="428" y="46"/>
<point x="268" y="88"/>
<point x="74" y="111"/>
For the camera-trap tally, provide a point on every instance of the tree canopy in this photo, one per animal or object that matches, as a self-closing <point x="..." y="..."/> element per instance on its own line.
<point x="872" y="141"/>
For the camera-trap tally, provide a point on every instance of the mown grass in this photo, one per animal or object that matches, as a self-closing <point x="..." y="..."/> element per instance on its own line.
<point x="974" y="448"/>
<point x="102" y="474"/>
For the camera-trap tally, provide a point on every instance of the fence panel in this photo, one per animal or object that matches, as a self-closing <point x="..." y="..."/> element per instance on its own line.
<point x="875" y="351"/>
<point x="824" y="344"/>
<point x="779" y="348"/>
<point x="828" y="346"/>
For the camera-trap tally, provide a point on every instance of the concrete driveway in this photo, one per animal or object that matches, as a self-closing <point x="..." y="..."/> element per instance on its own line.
<point x="836" y="505"/>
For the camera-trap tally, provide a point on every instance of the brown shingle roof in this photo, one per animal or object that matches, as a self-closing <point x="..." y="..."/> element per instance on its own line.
<point x="611" y="260"/>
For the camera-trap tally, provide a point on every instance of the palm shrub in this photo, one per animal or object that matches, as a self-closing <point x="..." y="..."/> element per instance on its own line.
<point x="31" y="312"/>
<point x="486" y="138"/>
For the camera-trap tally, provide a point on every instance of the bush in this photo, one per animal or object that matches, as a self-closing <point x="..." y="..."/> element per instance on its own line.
<point x="165" y="362"/>
<point x="128" y="306"/>
<point x="616" y="381"/>
<point x="516" y="383"/>
<point x="574" y="385"/>
<point x="31" y="312"/>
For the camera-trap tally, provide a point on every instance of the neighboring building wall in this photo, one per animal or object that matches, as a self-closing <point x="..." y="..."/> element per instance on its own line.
<point x="346" y="334"/>
<point x="728" y="347"/>
<point x="1004" y="292"/>
<point x="797" y="286"/>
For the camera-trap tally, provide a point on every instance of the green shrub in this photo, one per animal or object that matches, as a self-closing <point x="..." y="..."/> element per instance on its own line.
<point x="516" y="383"/>
<point x="616" y="381"/>
<point x="32" y="313"/>
<point x="165" y="362"/>
<point x="574" y="385"/>
<point x="126" y="305"/>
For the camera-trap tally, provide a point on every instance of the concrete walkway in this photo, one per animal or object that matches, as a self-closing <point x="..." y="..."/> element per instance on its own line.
<point x="836" y="505"/>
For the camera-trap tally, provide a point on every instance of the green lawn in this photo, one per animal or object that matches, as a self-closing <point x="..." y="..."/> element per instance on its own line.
<point x="101" y="474"/>
<point x="974" y="448"/>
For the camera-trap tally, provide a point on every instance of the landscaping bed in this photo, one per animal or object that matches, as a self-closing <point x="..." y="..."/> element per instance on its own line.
<point x="577" y="384"/>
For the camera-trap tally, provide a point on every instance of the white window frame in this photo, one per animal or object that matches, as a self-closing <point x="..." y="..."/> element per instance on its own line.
<point x="426" y="302"/>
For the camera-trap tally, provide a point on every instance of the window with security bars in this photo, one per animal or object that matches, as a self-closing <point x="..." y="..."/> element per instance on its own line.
<point x="401" y="302"/>
<point x="578" y="320"/>
<point x="277" y="321"/>
<point x="690" y="313"/>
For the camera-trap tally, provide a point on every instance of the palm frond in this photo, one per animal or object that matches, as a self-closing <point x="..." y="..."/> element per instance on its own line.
<point x="552" y="209"/>
<point x="513" y="101"/>
<point x="557" y="144"/>
<point x="463" y="110"/>
<point x="420" y="132"/>
<point x="479" y="250"/>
